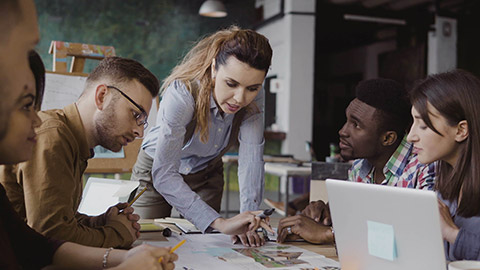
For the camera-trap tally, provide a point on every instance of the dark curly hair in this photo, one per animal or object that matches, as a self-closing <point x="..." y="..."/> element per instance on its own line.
<point x="391" y="101"/>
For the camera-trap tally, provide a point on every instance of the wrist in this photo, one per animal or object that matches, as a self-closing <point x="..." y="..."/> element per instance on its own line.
<point x="105" y="258"/>
<point x="115" y="258"/>
<point x="100" y="220"/>
<point x="217" y="224"/>
<point x="452" y="236"/>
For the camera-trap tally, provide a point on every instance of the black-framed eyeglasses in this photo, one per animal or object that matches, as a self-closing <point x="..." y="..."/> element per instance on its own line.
<point x="140" y="118"/>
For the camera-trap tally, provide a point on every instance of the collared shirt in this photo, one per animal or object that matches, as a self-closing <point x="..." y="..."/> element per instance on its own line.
<point x="172" y="158"/>
<point x="49" y="186"/>
<point x="402" y="169"/>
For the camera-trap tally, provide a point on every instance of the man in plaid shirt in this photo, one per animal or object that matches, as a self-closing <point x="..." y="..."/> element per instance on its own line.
<point x="375" y="136"/>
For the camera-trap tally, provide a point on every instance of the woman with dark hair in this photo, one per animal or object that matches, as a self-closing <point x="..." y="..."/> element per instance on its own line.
<point x="211" y="100"/>
<point x="22" y="247"/>
<point x="24" y="118"/>
<point x="446" y="127"/>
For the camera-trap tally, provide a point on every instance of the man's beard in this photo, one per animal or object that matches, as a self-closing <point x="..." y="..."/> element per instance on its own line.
<point x="106" y="128"/>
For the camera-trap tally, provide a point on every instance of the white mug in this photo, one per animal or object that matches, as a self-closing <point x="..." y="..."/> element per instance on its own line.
<point x="464" y="265"/>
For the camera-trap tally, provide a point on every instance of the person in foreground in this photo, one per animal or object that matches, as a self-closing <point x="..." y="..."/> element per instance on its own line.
<point x="446" y="127"/>
<point x="375" y="136"/>
<point x="47" y="189"/>
<point x="21" y="246"/>
<point x="19" y="35"/>
<point x="211" y="100"/>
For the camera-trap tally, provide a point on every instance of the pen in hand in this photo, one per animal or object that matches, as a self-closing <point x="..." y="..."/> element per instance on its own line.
<point x="134" y="199"/>
<point x="266" y="213"/>
<point x="263" y="224"/>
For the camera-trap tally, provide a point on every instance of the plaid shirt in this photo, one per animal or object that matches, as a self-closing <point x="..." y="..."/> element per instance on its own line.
<point x="402" y="170"/>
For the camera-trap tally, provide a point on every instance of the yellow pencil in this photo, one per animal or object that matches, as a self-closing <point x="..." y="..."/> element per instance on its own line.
<point x="136" y="197"/>
<point x="173" y="249"/>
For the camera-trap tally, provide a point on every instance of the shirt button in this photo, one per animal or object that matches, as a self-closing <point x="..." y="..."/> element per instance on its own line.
<point x="219" y="130"/>
<point x="216" y="146"/>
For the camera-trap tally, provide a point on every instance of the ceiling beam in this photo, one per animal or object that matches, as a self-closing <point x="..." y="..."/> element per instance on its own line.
<point x="403" y="4"/>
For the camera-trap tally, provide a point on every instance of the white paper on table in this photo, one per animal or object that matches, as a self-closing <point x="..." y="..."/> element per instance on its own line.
<point x="214" y="251"/>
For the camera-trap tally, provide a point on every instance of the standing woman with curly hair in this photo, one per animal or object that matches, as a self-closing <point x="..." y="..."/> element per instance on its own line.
<point x="211" y="100"/>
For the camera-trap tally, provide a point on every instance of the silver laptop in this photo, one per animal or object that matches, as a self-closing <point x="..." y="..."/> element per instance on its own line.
<point x="385" y="228"/>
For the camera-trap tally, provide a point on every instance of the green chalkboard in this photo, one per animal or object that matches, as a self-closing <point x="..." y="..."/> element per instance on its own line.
<point x="155" y="32"/>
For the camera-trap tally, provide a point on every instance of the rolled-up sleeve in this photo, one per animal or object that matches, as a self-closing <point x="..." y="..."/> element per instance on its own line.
<point x="175" y="112"/>
<point x="466" y="246"/>
<point x="251" y="177"/>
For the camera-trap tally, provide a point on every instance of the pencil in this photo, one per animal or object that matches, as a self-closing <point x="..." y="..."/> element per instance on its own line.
<point x="136" y="197"/>
<point x="173" y="249"/>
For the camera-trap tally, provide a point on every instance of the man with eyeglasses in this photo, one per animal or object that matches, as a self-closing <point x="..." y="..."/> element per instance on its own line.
<point x="46" y="190"/>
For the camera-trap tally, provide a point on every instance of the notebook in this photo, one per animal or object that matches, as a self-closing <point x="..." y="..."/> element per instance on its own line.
<point x="183" y="224"/>
<point x="381" y="227"/>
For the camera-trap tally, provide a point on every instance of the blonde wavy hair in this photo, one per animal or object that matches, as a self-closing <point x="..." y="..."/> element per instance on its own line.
<point x="195" y="72"/>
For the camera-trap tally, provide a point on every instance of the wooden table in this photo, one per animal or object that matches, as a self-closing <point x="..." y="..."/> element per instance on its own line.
<point x="327" y="250"/>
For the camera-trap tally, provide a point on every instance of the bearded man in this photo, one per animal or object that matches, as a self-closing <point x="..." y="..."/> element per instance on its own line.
<point x="47" y="189"/>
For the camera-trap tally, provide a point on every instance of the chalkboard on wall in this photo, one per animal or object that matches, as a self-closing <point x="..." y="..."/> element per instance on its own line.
<point x="156" y="33"/>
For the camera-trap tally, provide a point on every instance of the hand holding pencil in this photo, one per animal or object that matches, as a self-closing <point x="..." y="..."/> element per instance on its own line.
<point x="132" y="201"/>
<point x="146" y="257"/>
<point x="136" y="197"/>
<point x="173" y="249"/>
<point x="123" y="212"/>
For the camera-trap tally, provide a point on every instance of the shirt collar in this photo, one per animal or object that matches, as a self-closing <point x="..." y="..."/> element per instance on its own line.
<point x="78" y="130"/>
<point x="216" y="111"/>
<point x="365" y="168"/>
<point x="213" y="104"/>
<point x="396" y="164"/>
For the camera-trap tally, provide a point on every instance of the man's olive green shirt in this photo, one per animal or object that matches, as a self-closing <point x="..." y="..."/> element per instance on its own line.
<point x="47" y="189"/>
